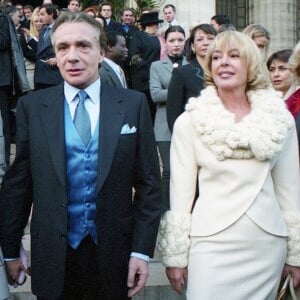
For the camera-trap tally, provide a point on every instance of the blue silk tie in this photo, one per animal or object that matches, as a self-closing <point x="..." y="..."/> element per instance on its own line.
<point x="82" y="119"/>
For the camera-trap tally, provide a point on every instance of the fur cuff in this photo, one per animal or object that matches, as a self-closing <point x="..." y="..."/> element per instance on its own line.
<point x="174" y="241"/>
<point x="292" y="220"/>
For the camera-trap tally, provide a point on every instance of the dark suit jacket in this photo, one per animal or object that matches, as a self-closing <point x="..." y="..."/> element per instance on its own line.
<point x="5" y="53"/>
<point x="128" y="35"/>
<point x="38" y="177"/>
<point x="143" y="50"/>
<point x="44" y="73"/>
<point x="108" y="76"/>
<point x="112" y="26"/>
<point x="186" y="82"/>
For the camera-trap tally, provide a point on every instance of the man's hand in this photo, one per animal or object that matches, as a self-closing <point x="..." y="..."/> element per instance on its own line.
<point x="14" y="269"/>
<point x="137" y="275"/>
<point x="51" y="61"/>
<point x="294" y="271"/>
<point x="177" y="278"/>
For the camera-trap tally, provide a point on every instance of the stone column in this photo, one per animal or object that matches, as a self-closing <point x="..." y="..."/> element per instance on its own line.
<point x="191" y="12"/>
<point x="279" y="18"/>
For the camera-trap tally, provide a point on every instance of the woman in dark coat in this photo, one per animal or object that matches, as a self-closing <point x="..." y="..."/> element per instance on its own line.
<point x="188" y="80"/>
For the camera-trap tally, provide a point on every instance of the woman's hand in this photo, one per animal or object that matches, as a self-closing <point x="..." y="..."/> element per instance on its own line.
<point x="177" y="278"/>
<point x="294" y="271"/>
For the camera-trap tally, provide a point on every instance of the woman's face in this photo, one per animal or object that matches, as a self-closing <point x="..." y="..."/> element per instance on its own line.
<point x="280" y="75"/>
<point x="175" y="43"/>
<point x="229" y="69"/>
<point x="38" y="24"/>
<point x="261" y="42"/>
<point x="201" y="43"/>
<point x="152" y="28"/>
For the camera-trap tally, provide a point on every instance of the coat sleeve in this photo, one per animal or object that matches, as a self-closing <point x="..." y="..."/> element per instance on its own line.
<point x="4" y="34"/>
<point x="158" y="92"/>
<point x="286" y="180"/>
<point x="175" y="98"/>
<point x="147" y="186"/>
<point x="16" y="191"/>
<point x="175" y="226"/>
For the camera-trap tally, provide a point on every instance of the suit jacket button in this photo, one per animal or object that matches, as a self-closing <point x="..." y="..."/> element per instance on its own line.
<point x="63" y="236"/>
<point x="63" y="205"/>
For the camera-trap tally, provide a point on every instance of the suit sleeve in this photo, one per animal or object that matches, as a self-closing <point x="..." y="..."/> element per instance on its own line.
<point x="147" y="185"/>
<point x="16" y="191"/>
<point x="175" y="98"/>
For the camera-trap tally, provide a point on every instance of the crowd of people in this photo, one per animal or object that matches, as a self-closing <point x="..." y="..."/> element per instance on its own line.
<point x="126" y="127"/>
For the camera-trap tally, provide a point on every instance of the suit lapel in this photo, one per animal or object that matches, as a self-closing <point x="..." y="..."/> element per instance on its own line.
<point x="52" y="119"/>
<point x="168" y="64"/>
<point x="113" y="76"/>
<point x="112" y="112"/>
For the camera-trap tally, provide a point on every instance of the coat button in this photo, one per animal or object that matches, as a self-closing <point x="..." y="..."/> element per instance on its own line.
<point x="63" y="236"/>
<point x="63" y="205"/>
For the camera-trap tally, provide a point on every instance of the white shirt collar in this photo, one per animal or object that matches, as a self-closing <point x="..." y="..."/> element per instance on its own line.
<point x="112" y="64"/>
<point x="92" y="90"/>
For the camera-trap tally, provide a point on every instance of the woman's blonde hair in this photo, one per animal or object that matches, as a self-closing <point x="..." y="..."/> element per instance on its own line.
<point x="256" y="70"/>
<point x="256" y="31"/>
<point x="32" y="28"/>
<point x="294" y="61"/>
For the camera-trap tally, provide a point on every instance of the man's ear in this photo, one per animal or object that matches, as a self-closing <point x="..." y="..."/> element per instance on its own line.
<point x="102" y="54"/>
<point x="110" y="48"/>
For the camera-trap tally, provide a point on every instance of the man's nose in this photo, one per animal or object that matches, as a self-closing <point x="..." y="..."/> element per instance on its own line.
<point x="73" y="54"/>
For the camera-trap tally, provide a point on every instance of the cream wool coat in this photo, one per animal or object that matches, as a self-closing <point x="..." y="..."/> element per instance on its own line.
<point x="248" y="167"/>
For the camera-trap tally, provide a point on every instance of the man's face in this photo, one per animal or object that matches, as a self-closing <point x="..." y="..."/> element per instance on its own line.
<point x="120" y="51"/>
<point x="44" y="17"/>
<point x="15" y="18"/>
<point x="106" y="11"/>
<point x="214" y="24"/>
<point x="27" y="13"/>
<point x="169" y="14"/>
<point x="20" y="9"/>
<point x="78" y="53"/>
<point x="127" y="17"/>
<point x="74" y="6"/>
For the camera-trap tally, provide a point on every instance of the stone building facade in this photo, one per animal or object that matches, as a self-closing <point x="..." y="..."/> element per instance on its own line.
<point x="280" y="17"/>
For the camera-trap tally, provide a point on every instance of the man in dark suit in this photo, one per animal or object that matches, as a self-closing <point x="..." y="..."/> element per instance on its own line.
<point x="105" y="10"/>
<point x="13" y="79"/>
<point x="116" y="52"/>
<point x="81" y="149"/>
<point x="46" y="73"/>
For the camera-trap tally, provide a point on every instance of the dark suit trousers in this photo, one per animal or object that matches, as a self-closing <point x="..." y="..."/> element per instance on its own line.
<point x="82" y="280"/>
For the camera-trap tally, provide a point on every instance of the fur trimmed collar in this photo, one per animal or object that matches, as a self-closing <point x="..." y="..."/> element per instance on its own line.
<point x="262" y="133"/>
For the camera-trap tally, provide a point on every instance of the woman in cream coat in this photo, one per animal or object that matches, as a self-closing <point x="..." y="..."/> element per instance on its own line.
<point x="239" y="139"/>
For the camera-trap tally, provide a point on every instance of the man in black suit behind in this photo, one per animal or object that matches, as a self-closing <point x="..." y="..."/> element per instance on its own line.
<point x="81" y="149"/>
<point x="105" y="10"/>
<point x="46" y="72"/>
<point x="116" y="52"/>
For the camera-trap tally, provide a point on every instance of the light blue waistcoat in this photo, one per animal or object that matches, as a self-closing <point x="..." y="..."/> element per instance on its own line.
<point x="81" y="182"/>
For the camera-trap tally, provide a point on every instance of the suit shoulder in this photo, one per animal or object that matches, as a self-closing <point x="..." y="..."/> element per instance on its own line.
<point x="126" y="94"/>
<point x="40" y="95"/>
<point x="157" y="64"/>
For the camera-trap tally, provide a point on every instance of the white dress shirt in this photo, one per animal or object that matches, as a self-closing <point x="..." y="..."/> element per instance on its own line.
<point x="92" y="104"/>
